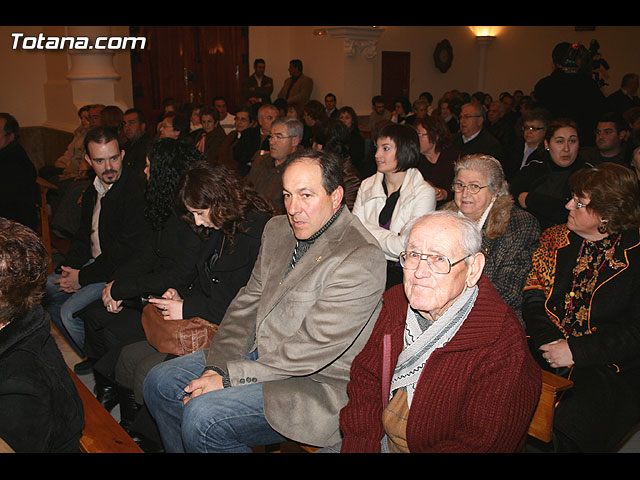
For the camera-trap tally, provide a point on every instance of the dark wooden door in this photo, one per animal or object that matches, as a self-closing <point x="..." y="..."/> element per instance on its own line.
<point x="191" y="64"/>
<point x="396" y="71"/>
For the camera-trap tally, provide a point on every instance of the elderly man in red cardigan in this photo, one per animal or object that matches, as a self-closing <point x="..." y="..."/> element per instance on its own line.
<point x="447" y="367"/>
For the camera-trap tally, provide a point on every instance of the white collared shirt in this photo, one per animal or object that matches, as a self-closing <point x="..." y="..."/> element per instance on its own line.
<point x="95" y="219"/>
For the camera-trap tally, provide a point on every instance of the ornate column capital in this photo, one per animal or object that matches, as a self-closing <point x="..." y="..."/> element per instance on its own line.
<point x="358" y="40"/>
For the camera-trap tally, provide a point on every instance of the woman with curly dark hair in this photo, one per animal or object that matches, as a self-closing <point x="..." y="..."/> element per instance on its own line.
<point x="40" y="410"/>
<point x="230" y="216"/>
<point x="168" y="255"/>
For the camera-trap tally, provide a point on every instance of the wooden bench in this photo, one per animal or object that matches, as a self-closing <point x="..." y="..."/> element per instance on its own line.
<point x="102" y="433"/>
<point x="43" y="215"/>
<point x="540" y="427"/>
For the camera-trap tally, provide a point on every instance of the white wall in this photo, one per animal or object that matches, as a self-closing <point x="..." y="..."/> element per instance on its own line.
<point x="517" y="59"/>
<point x="35" y="89"/>
<point x="34" y="83"/>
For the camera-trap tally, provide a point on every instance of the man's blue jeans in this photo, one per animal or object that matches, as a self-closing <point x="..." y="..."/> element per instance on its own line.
<point x="230" y="420"/>
<point x="61" y="307"/>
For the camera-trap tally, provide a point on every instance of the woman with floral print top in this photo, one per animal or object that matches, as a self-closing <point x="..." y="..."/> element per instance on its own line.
<point x="581" y="307"/>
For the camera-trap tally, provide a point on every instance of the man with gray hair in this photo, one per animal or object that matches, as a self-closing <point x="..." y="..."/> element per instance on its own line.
<point x="448" y="354"/>
<point x="266" y="168"/>
<point x="473" y="136"/>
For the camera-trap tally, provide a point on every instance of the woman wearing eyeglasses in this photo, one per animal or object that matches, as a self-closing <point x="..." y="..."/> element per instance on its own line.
<point x="542" y="186"/>
<point x="509" y="234"/>
<point x="387" y="200"/>
<point x="582" y="309"/>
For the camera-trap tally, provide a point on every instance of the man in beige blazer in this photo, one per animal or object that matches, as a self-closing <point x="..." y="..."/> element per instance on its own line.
<point x="278" y="367"/>
<point x="297" y="87"/>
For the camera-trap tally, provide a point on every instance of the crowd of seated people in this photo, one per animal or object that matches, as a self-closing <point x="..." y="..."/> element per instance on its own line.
<point x="537" y="225"/>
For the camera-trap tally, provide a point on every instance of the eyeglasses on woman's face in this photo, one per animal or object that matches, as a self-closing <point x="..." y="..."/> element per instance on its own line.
<point x="472" y="187"/>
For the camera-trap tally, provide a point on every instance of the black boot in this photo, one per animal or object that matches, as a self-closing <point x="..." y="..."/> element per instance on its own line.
<point x="129" y="410"/>
<point x="128" y="407"/>
<point x="106" y="391"/>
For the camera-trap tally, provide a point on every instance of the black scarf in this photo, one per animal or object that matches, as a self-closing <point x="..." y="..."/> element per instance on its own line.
<point x="302" y="246"/>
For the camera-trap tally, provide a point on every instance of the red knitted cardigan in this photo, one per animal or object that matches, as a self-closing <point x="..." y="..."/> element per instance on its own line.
<point x="476" y="394"/>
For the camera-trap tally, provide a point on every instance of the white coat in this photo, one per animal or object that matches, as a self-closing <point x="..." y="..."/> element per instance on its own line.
<point x="417" y="198"/>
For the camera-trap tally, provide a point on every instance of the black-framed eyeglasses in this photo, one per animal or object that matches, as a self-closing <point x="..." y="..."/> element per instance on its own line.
<point x="472" y="187"/>
<point x="440" y="264"/>
<point x="532" y="129"/>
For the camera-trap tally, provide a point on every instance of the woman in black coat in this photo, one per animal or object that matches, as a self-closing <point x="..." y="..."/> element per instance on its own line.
<point x="40" y="410"/>
<point x="542" y="187"/>
<point x="169" y="254"/>
<point x="582" y="310"/>
<point x="231" y="217"/>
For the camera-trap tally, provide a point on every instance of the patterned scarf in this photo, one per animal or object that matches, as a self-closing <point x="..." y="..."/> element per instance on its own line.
<point x="595" y="258"/>
<point x="419" y="344"/>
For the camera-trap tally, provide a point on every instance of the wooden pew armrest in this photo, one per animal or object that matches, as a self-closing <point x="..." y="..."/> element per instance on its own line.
<point x="541" y="424"/>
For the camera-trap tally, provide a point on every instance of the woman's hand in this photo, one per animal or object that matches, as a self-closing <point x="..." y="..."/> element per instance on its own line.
<point x="557" y="354"/>
<point x="441" y="194"/>
<point x="171" y="309"/>
<point x="171" y="294"/>
<point x="112" y="306"/>
<point x="522" y="199"/>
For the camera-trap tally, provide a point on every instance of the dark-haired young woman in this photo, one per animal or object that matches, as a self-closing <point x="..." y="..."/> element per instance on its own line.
<point x="215" y="202"/>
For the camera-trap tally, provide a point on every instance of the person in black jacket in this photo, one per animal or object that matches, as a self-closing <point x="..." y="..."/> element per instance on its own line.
<point x="542" y="186"/>
<point x="570" y="91"/>
<point x="18" y="188"/>
<point x="167" y="254"/>
<point x="231" y="217"/>
<point x="582" y="314"/>
<point x="40" y="409"/>
<point x="112" y="227"/>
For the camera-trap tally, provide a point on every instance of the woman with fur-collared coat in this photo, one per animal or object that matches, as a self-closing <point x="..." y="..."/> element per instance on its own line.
<point x="509" y="234"/>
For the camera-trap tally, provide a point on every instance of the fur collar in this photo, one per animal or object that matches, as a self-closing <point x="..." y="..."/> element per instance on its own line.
<point x="498" y="218"/>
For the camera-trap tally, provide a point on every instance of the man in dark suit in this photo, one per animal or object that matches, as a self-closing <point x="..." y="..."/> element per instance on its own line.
<point x="330" y="103"/>
<point x="473" y="137"/>
<point x="255" y="139"/>
<point x="626" y="97"/>
<point x="134" y="127"/>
